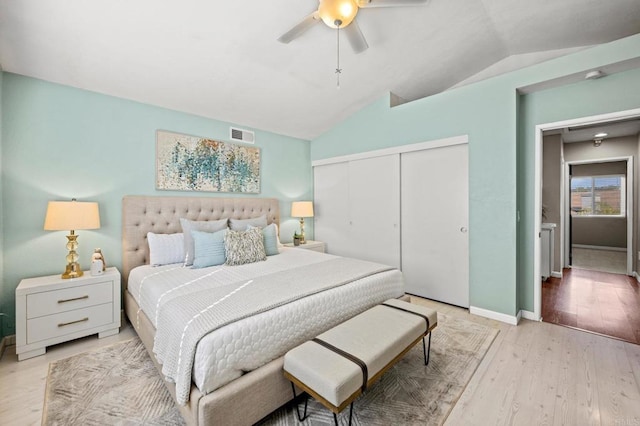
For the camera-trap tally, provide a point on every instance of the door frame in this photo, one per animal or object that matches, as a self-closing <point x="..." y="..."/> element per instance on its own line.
<point x="566" y="205"/>
<point x="537" y="193"/>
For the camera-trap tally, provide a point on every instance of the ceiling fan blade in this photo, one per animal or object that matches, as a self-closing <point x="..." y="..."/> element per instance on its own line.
<point x="300" y="29"/>
<point x="355" y="37"/>
<point x="389" y="3"/>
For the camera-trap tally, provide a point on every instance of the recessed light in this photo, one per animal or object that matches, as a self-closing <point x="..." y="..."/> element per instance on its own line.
<point x="601" y="135"/>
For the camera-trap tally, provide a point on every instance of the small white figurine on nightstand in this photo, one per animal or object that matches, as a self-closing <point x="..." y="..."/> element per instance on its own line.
<point x="98" y="265"/>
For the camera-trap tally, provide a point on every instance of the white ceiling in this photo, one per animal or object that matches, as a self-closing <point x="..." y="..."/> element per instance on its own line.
<point x="220" y="59"/>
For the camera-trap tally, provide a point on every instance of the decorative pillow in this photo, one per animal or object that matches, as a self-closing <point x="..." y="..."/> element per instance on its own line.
<point x="208" y="248"/>
<point x="278" y="235"/>
<point x="165" y="249"/>
<point x="204" y="226"/>
<point x="270" y="238"/>
<point x="244" y="247"/>
<point x="241" y="224"/>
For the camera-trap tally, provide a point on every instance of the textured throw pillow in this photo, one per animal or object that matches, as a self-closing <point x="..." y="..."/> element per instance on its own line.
<point x="165" y="249"/>
<point x="241" y="224"/>
<point x="244" y="247"/>
<point x="208" y="248"/>
<point x="270" y="238"/>
<point x="204" y="226"/>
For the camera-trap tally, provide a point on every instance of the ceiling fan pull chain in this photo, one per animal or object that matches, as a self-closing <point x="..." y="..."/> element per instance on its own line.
<point x="338" y="69"/>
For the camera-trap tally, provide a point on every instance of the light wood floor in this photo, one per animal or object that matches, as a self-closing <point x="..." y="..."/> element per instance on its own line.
<point x="533" y="374"/>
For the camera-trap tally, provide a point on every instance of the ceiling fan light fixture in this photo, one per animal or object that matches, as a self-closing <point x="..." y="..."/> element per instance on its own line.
<point x="343" y="11"/>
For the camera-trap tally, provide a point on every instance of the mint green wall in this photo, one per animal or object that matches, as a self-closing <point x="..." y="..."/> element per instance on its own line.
<point x="616" y="92"/>
<point x="59" y="142"/>
<point x="438" y="117"/>
<point x="488" y="112"/>
<point x="464" y="111"/>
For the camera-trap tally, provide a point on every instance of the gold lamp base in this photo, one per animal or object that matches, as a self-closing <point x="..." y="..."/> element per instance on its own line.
<point x="73" y="269"/>
<point x="302" y="240"/>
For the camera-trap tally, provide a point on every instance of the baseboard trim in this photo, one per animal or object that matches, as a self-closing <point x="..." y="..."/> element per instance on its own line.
<point x="498" y="316"/>
<point x="586" y="246"/>
<point x="528" y="315"/>
<point x="635" y="274"/>
<point x="7" y="341"/>
<point x="556" y="274"/>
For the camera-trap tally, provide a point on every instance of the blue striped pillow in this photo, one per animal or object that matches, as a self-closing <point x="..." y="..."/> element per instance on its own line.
<point x="208" y="248"/>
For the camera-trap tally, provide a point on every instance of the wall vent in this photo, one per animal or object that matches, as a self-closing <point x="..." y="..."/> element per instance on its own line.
<point x="242" y="135"/>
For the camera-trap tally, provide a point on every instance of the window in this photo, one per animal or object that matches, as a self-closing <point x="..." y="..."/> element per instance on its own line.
<point x="598" y="195"/>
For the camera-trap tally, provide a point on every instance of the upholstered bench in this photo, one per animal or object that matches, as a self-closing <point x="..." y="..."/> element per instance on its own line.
<point x="338" y="365"/>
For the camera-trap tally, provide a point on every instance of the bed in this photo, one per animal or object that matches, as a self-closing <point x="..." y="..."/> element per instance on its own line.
<point x="252" y="389"/>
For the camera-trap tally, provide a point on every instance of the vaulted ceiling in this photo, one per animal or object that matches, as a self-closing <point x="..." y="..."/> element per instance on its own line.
<point x="220" y="59"/>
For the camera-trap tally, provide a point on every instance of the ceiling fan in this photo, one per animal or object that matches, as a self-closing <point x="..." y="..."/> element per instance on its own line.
<point x="341" y="14"/>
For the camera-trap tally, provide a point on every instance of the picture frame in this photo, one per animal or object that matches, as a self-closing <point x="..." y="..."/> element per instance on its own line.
<point x="192" y="163"/>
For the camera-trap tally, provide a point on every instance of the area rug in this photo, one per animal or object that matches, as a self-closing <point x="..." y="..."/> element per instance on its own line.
<point x="119" y="384"/>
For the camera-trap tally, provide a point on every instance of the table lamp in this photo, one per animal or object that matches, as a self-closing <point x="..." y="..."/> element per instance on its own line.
<point x="70" y="216"/>
<point x="302" y="209"/>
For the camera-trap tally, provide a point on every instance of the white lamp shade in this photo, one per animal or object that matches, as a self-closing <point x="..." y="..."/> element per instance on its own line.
<point x="71" y="215"/>
<point x="302" y="209"/>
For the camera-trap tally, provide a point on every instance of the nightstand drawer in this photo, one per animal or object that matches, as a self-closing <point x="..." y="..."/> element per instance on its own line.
<point x="63" y="300"/>
<point x="52" y="326"/>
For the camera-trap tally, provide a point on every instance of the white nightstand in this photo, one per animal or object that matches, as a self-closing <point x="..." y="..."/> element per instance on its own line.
<point x="309" y="245"/>
<point x="51" y="310"/>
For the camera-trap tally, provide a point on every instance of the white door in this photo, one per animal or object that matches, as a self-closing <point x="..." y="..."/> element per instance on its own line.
<point x="374" y="209"/>
<point x="331" y="207"/>
<point x="435" y="215"/>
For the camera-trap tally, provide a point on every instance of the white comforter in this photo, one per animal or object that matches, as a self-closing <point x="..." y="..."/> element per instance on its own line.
<point x="227" y="353"/>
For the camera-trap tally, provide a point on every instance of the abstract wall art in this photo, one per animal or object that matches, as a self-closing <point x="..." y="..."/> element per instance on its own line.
<point x="191" y="163"/>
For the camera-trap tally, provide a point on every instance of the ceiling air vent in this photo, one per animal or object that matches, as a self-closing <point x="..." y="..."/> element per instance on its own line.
<point x="241" y="135"/>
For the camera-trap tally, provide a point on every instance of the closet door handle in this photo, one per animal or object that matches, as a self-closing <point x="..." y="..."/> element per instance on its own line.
<point x="463" y="230"/>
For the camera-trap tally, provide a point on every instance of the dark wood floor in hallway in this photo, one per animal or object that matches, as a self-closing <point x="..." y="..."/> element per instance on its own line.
<point x="600" y="302"/>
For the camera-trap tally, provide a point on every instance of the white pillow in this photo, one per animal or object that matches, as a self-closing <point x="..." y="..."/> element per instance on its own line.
<point x="165" y="249"/>
<point x="280" y="245"/>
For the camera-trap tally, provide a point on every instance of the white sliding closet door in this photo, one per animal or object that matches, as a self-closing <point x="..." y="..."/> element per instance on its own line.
<point x="435" y="215"/>
<point x="357" y="208"/>
<point x="374" y="208"/>
<point x="331" y="207"/>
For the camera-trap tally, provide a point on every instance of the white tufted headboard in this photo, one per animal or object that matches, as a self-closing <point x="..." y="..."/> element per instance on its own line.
<point x="161" y="215"/>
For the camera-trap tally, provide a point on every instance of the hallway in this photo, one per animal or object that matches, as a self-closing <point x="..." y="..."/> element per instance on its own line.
<point x="600" y="302"/>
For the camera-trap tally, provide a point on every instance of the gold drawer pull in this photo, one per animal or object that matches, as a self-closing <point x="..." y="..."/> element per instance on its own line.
<point x="75" y="298"/>
<point x="73" y="322"/>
